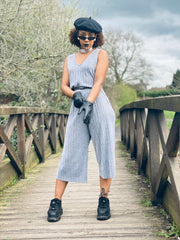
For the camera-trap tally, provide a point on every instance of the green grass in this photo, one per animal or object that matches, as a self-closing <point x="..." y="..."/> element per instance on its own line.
<point x="117" y="122"/>
<point x="172" y="231"/>
<point x="169" y="114"/>
<point x="169" y="117"/>
<point x="14" y="181"/>
<point x="146" y="202"/>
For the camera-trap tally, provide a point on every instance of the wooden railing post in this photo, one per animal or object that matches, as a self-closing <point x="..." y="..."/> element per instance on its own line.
<point x="132" y="129"/>
<point x="62" y="129"/>
<point x="21" y="142"/>
<point x="28" y="137"/>
<point x="127" y="132"/>
<point x="155" y="148"/>
<point x="53" y="129"/>
<point x="123" y="126"/>
<point x="154" y="151"/>
<point x="41" y="127"/>
<point x="139" y="126"/>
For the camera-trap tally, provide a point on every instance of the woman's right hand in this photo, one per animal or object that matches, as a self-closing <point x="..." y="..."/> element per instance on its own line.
<point x="78" y="99"/>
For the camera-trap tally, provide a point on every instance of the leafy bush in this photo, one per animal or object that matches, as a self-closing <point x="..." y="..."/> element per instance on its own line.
<point x="158" y="93"/>
<point x="121" y="94"/>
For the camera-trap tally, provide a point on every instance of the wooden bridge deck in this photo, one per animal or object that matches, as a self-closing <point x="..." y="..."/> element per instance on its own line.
<point x="24" y="206"/>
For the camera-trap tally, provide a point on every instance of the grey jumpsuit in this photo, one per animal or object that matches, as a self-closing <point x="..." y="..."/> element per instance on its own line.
<point x="73" y="163"/>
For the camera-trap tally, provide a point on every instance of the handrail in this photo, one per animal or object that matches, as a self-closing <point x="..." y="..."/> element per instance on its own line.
<point x="145" y="133"/>
<point x="169" y="103"/>
<point x="32" y="126"/>
<point x="24" y="110"/>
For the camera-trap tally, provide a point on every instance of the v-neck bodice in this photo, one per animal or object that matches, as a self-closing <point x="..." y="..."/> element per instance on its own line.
<point x="82" y="74"/>
<point x="84" y="59"/>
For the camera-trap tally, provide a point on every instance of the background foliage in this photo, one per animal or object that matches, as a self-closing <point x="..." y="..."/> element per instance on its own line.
<point x="158" y="93"/>
<point x="176" y="80"/>
<point x="34" y="43"/>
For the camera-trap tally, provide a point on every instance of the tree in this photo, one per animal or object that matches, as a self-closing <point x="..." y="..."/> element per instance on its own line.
<point x="128" y="70"/>
<point x="126" y="62"/>
<point x="176" y="80"/>
<point x="33" y="44"/>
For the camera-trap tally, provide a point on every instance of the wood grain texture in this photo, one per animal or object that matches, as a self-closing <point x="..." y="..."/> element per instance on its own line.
<point x="156" y="149"/>
<point x="23" y="207"/>
<point x="169" y="103"/>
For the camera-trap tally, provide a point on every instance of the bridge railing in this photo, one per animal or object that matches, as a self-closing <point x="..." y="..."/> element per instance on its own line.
<point x="145" y="133"/>
<point x="28" y="130"/>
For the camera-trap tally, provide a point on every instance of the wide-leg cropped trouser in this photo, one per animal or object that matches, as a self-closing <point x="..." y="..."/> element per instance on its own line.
<point x="74" y="159"/>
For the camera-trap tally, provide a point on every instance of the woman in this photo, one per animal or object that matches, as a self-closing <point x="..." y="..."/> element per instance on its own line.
<point x="91" y="117"/>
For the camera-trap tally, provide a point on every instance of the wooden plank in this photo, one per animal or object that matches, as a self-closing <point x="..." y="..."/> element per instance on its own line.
<point x="162" y="177"/>
<point x="47" y="124"/>
<point x="8" y="131"/>
<point x="9" y="110"/>
<point x="57" y="125"/>
<point x="132" y="129"/>
<point x="59" y="132"/>
<point x="154" y="150"/>
<point x="121" y="125"/>
<point x="169" y="103"/>
<point x="62" y="130"/>
<point x="24" y="216"/>
<point x="139" y="125"/>
<point x="143" y="153"/>
<point x="41" y="128"/>
<point x="161" y="181"/>
<point x="174" y="173"/>
<point x="21" y="141"/>
<point x="53" y="131"/>
<point x="15" y="160"/>
<point x="124" y="127"/>
<point x="65" y="120"/>
<point x="33" y="136"/>
<point x="127" y="131"/>
<point x="30" y="129"/>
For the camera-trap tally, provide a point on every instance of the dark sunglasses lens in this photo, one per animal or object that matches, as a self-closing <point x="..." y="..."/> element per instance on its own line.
<point x="91" y="38"/>
<point x="84" y="38"/>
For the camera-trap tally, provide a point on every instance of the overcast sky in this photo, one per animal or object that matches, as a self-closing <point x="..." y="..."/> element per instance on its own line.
<point x="156" y="22"/>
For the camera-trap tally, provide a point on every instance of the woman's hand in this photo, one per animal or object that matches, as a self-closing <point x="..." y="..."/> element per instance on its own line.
<point x="87" y="108"/>
<point x="78" y="99"/>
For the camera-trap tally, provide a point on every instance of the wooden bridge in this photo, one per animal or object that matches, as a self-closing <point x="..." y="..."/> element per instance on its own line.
<point x="40" y="132"/>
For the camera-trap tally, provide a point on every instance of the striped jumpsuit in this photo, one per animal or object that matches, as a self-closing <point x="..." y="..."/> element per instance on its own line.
<point x="73" y="163"/>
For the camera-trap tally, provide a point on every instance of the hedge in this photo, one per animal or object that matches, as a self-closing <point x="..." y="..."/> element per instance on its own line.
<point x="157" y="93"/>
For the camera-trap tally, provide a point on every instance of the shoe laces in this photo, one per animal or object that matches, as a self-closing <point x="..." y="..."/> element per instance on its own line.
<point x="54" y="204"/>
<point x="103" y="202"/>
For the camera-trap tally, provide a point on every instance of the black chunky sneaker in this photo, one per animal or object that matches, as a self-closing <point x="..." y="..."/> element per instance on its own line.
<point x="55" y="210"/>
<point x="103" y="211"/>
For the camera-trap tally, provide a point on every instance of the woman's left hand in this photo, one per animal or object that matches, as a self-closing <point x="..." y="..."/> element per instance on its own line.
<point x="87" y="108"/>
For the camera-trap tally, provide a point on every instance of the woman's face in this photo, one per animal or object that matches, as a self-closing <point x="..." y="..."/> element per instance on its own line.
<point x="86" y="39"/>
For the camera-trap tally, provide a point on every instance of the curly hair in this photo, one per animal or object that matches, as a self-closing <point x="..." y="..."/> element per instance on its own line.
<point x="73" y="37"/>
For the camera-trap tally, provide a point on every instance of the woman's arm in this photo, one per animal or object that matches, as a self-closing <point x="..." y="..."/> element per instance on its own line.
<point x="66" y="90"/>
<point x="100" y="74"/>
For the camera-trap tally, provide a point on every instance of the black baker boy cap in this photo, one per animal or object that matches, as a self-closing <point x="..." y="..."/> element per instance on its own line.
<point x="87" y="24"/>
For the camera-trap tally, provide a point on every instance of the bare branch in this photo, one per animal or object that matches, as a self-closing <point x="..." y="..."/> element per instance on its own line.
<point x="126" y="61"/>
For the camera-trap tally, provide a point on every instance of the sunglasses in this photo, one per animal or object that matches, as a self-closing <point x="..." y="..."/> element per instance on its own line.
<point x="84" y="38"/>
